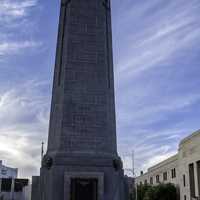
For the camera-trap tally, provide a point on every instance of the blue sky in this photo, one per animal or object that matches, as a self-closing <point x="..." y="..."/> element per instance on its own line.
<point x="157" y="69"/>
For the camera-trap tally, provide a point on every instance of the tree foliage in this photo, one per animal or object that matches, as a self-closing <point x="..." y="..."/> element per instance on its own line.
<point x="159" y="192"/>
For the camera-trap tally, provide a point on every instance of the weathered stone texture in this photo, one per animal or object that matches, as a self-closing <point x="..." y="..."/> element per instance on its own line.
<point x="82" y="132"/>
<point x="83" y="96"/>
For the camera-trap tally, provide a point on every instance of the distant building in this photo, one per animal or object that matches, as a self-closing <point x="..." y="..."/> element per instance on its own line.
<point x="182" y="169"/>
<point x="12" y="188"/>
<point x="7" y="172"/>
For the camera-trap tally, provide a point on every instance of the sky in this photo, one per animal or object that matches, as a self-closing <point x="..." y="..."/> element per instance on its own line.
<point x="157" y="68"/>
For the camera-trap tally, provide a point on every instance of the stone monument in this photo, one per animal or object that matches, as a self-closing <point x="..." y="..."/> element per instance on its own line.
<point x="82" y="162"/>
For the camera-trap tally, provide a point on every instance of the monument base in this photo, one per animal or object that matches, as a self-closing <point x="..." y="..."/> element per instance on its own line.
<point x="84" y="181"/>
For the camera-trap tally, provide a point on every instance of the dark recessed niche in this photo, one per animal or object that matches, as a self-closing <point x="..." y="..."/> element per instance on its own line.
<point x="20" y="184"/>
<point x="6" y="184"/>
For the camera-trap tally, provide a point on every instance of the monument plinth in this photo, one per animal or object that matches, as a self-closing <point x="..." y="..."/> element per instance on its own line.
<point x="81" y="162"/>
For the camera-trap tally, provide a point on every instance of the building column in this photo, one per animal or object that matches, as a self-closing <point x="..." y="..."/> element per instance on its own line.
<point x="198" y="177"/>
<point x="0" y="184"/>
<point x="196" y="180"/>
<point x="192" y="180"/>
<point x="12" y="189"/>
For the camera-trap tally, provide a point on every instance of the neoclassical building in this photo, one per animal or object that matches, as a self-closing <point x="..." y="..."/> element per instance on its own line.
<point x="182" y="169"/>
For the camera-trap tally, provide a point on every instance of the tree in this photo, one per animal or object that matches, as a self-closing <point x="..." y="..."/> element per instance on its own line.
<point x="159" y="192"/>
<point x="166" y="192"/>
<point x="132" y="194"/>
<point x="141" y="191"/>
<point x="150" y="193"/>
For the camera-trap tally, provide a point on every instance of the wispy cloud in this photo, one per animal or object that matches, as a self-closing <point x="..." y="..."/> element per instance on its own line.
<point x="10" y="48"/>
<point x="157" y="78"/>
<point x="149" y="146"/>
<point x="24" y="111"/>
<point x="146" y="111"/>
<point x="163" y="33"/>
<point x="15" y="9"/>
<point x="156" y="46"/>
<point x="13" y="20"/>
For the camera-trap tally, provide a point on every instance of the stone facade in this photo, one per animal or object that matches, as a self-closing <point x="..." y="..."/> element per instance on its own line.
<point x="155" y="174"/>
<point x="82" y="133"/>
<point x="83" y="113"/>
<point x="182" y="169"/>
<point x="36" y="187"/>
<point x="189" y="155"/>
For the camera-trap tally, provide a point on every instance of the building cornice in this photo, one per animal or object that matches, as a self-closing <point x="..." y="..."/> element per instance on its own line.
<point x="187" y="139"/>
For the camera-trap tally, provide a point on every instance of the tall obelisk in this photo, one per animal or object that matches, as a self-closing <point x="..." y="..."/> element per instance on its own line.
<point x="81" y="162"/>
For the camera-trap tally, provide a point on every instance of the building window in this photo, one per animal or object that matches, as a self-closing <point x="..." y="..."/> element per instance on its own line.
<point x="184" y="180"/>
<point x="157" y="179"/>
<point x="198" y="175"/>
<point x="173" y="173"/>
<point x="165" y="176"/>
<point x="6" y="185"/>
<point x="192" y="180"/>
<point x="3" y="171"/>
<point x="185" y="197"/>
<point x="145" y="182"/>
<point x="151" y="180"/>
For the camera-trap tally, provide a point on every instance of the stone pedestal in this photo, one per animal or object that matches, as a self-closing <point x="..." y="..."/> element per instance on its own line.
<point x="104" y="176"/>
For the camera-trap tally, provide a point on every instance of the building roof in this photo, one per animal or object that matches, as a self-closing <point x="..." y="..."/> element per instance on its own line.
<point x="172" y="158"/>
<point x="165" y="162"/>
<point x="197" y="133"/>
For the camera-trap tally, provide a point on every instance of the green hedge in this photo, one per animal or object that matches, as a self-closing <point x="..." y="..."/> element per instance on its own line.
<point x="159" y="192"/>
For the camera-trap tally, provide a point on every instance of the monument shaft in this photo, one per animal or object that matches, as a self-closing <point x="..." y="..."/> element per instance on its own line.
<point x="83" y="92"/>
<point x="81" y="162"/>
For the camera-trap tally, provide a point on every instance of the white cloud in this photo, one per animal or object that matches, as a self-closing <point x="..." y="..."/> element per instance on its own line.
<point x="13" y="19"/>
<point x="145" y="157"/>
<point x="10" y="48"/>
<point x="156" y="159"/>
<point x="150" y="40"/>
<point x="15" y="9"/>
<point x="146" y="111"/>
<point x="162" y="35"/>
<point x="24" y="116"/>
<point x="155" y="39"/>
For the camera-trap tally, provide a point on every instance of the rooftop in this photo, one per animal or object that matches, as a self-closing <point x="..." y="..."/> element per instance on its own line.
<point x="196" y="133"/>
<point x="175" y="157"/>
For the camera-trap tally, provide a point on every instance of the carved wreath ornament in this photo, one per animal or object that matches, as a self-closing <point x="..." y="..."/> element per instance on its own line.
<point x="117" y="164"/>
<point x="47" y="162"/>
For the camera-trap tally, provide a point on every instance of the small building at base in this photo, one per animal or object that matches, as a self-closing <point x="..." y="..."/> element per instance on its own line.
<point x="11" y="187"/>
<point x="182" y="169"/>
